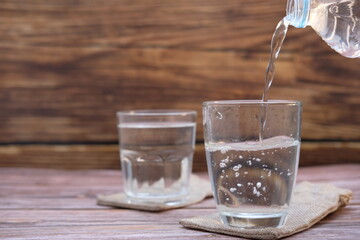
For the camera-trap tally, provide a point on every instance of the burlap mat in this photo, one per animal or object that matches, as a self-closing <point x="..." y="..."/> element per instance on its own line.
<point x="199" y="190"/>
<point x="311" y="202"/>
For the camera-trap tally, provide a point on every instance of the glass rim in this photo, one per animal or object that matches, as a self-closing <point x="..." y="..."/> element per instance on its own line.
<point x="253" y="102"/>
<point x="156" y="112"/>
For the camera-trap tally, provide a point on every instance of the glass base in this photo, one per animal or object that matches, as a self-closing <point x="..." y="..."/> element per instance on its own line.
<point x="251" y="220"/>
<point x="165" y="201"/>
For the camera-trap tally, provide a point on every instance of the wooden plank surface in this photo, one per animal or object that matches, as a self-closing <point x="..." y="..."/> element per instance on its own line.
<point x="77" y="103"/>
<point x="60" y="204"/>
<point x="67" y="67"/>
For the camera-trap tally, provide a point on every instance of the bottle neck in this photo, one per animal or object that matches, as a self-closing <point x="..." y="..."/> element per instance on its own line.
<point x="297" y="12"/>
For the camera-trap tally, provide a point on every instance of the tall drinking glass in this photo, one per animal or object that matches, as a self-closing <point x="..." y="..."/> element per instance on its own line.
<point x="156" y="152"/>
<point x="252" y="151"/>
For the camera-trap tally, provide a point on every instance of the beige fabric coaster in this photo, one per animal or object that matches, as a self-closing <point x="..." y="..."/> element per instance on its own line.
<point x="311" y="202"/>
<point x="199" y="190"/>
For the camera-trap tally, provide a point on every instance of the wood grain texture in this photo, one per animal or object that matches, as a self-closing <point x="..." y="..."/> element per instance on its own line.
<point x="78" y="103"/>
<point x="61" y="204"/>
<point x="106" y="156"/>
<point x="67" y="67"/>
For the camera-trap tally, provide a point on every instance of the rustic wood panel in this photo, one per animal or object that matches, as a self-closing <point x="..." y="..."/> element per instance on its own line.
<point x="184" y="23"/>
<point x="106" y="156"/>
<point x="67" y="67"/>
<point x="40" y="102"/>
<point x="69" y="211"/>
<point x="229" y="25"/>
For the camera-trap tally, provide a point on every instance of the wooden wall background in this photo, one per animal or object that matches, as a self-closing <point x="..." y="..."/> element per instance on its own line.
<point x="66" y="67"/>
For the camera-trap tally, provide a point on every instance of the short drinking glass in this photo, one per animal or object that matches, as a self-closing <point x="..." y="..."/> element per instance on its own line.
<point x="156" y="152"/>
<point x="252" y="151"/>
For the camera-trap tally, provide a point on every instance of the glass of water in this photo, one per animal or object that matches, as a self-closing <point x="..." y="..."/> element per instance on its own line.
<point x="156" y="152"/>
<point x="252" y="151"/>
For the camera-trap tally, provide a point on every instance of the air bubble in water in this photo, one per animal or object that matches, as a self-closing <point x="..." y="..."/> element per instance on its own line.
<point x="256" y="192"/>
<point x="222" y="165"/>
<point x="237" y="174"/>
<point x="226" y="160"/>
<point x="139" y="159"/>
<point x="258" y="184"/>
<point x="218" y="115"/>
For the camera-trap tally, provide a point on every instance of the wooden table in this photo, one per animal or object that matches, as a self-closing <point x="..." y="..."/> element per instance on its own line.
<point x="61" y="204"/>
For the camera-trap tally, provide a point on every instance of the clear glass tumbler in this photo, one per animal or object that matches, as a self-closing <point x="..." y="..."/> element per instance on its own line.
<point x="156" y="152"/>
<point x="252" y="151"/>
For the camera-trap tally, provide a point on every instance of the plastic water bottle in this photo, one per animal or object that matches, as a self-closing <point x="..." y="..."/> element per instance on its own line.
<point x="336" y="21"/>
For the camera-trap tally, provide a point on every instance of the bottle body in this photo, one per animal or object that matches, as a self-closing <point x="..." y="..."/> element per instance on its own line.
<point x="337" y="22"/>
